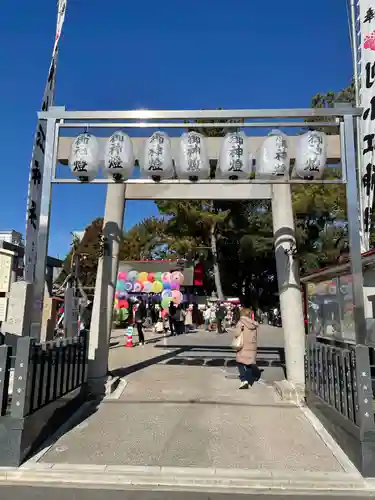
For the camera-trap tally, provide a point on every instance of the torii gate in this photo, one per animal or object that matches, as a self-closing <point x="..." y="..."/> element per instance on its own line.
<point x="278" y="190"/>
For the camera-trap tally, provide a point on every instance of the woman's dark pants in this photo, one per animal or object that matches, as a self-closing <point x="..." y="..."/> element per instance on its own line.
<point x="248" y="373"/>
<point x="141" y="337"/>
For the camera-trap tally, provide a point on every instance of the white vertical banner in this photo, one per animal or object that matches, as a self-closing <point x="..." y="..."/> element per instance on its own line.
<point x="367" y="102"/>
<point x="37" y="159"/>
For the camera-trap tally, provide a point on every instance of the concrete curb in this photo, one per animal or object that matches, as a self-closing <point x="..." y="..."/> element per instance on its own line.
<point x="116" y="394"/>
<point x="330" y="442"/>
<point x="289" y="393"/>
<point x="111" y="385"/>
<point x="180" y="477"/>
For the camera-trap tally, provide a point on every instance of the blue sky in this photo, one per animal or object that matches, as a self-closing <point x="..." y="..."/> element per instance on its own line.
<point x="162" y="55"/>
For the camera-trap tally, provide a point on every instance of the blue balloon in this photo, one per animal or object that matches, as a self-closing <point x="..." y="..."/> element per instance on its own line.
<point x="166" y="285"/>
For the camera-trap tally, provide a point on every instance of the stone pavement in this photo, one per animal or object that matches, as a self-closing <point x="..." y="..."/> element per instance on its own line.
<point x="182" y="408"/>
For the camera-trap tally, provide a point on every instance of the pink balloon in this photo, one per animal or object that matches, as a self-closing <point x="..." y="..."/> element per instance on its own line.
<point x="177" y="297"/>
<point x="175" y="285"/>
<point x="178" y="277"/>
<point x="122" y="275"/>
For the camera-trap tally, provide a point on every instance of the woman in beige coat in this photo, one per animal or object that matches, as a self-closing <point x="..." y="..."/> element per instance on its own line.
<point x="247" y="329"/>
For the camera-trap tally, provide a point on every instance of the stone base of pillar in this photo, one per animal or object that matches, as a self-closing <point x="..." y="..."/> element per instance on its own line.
<point x="290" y="392"/>
<point x="101" y="387"/>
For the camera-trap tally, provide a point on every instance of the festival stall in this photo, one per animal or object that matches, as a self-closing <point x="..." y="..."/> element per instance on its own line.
<point x="163" y="288"/>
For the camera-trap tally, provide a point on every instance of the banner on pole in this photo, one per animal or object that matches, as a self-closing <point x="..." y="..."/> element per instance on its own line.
<point x="367" y="102"/>
<point x="37" y="158"/>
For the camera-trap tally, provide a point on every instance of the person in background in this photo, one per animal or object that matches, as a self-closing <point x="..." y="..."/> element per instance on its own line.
<point x="235" y="315"/>
<point x="179" y="320"/>
<point x="207" y="318"/>
<point x="164" y="318"/>
<point x="140" y="316"/>
<point x="189" y="319"/>
<point x="220" y="316"/>
<point x="195" y="315"/>
<point x="171" y="315"/>
<point x="247" y="332"/>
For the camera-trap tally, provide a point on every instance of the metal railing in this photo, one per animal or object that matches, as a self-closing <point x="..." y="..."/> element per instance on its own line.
<point x="42" y="373"/>
<point x="339" y="390"/>
<point x="331" y="375"/>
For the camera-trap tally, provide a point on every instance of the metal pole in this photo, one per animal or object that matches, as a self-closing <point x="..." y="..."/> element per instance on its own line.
<point x="43" y="234"/>
<point x="349" y="164"/>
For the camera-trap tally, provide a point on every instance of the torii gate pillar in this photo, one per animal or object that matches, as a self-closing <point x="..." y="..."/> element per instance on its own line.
<point x="289" y="284"/>
<point x="105" y="286"/>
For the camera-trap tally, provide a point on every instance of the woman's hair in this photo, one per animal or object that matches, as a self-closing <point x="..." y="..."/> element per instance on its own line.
<point x="246" y="311"/>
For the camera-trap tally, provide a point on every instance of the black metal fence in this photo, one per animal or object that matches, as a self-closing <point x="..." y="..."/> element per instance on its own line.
<point x="39" y="385"/>
<point x="339" y="389"/>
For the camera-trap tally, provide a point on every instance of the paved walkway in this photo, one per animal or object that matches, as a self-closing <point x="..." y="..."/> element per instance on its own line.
<point x="182" y="408"/>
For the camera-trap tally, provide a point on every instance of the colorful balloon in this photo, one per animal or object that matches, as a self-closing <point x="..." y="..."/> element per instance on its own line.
<point x="165" y="303"/>
<point x="117" y="294"/>
<point x="177" y="297"/>
<point x="151" y="277"/>
<point x="120" y="285"/>
<point x="157" y="287"/>
<point x="166" y="277"/>
<point x="178" y="277"/>
<point x="147" y="286"/>
<point x="166" y="294"/>
<point x="157" y="276"/>
<point x="128" y="286"/>
<point x="137" y="286"/>
<point x="132" y="276"/>
<point x="142" y="277"/>
<point x="175" y="285"/>
<point x="122" y="295"/>
<point x="122" y="275"/>
<point x="166" y="285"/>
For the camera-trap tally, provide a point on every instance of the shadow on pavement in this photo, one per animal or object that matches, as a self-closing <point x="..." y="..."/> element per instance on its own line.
<point x="191" y="355"/>
<point x="122" y="372"/>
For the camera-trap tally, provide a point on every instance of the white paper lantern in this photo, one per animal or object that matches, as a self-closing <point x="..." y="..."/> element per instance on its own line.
<point x="118" y="157"/>
<point x="193" y="161"/>
<point x="234" y="160"/>
<point x="157" y="161"/>
<point x="311" y="155"/>
<point x="273" y="158"/>
<point x="84" y="157"/>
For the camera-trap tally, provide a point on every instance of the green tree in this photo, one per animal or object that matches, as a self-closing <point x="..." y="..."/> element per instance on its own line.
<point x="87" y="249"/>
<point x="193" y="225"/>
<point x="145" y="240"/>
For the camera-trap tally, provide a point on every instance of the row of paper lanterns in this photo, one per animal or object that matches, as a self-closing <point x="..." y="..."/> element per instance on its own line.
<point x="235" y="159"/>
